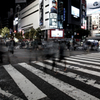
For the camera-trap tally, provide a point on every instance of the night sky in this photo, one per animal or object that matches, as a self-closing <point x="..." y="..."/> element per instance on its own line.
<point x="5" y="6"/>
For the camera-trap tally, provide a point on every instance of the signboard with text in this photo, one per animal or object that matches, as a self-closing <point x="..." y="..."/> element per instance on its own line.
<point x="93" y="6"/>
<point x="56" y="33"/>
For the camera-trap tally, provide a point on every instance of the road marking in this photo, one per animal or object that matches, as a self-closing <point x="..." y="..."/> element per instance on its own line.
<point x="28" y="88"/>
<point x="89" y="62"/>
<point x="89" y="66"/>
<point x="62" y="86"/>
<point x="9" y="95"/>
<point x="73" y="75"/>
<point x="86" y="58"/>
<point x="88" y="55"/>
<point x="82" y="69"/>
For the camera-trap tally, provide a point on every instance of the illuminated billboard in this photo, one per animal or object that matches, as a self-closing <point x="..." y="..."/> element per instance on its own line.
<point x="56" y="33"/>
<point x="84" y="23"/>
<point x="93" y="6"/>
<point x="95" y="21"/>
<point x="61" y="14"/>
<point x="74" y="11"/>
<point x="41" y="13"/>
<point x="53" y="8"/>
<point x="53" y="14"/>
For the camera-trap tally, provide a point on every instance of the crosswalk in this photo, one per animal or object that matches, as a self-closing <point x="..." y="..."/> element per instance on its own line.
<point x="81" y="80"/>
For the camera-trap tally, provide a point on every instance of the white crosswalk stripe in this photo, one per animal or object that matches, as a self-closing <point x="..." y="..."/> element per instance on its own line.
<point x="90" y="62"/>
<point x="73" y="75"/>
<point x="91" y="59"/>
<point x="75" y="93"/>
<point x="88" y="55"/>
<point x="82" y="64"/>
<point x="29" y="89"/>
<point x="87" y="64"/>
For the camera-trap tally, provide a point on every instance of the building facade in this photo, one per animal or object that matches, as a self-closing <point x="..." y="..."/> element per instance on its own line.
<point x="52" y="14"/>
<point x="29" y="17"/>
<point x="94" y="24"/>
<point x="93" y="18"/>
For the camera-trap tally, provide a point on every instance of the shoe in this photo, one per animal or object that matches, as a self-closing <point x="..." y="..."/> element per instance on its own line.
<point x="65" y="69"/>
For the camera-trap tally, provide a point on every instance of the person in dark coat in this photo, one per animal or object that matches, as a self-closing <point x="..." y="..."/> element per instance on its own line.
<point x="12" y="44"/>
<point x="61" y="53"/>
<point x="68" y="45"/>
<point x="1" y="53"/>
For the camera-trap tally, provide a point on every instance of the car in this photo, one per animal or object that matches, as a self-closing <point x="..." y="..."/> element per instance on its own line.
<point x="91" y="44"/>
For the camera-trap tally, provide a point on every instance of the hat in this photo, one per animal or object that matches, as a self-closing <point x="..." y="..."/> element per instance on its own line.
<point x="53" y="1"/>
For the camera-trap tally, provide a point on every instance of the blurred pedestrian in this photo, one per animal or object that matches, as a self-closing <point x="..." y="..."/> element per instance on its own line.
<point x="1" y="52"/>
<point x="89" y="46"/>
<point x="97" y="45"/>
<point x="68" y="45"/>
<point x="36" y="44"/>
<point x="11" y="46"/>
<point x="49" y="51"/>
<point x="27" y="43"/>
<point x="61" y="53"/>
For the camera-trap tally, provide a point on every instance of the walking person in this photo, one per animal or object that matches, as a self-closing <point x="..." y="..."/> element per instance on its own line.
<point x="27" y="43"/>
<point x="12" y="44"/>
<point x="68" y="45"/>
<point x="1" y="52"/>
<point x="61" y="53"/>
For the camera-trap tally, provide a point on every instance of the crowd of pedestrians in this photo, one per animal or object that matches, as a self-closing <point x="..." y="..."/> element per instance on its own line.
<point x="50" y="49"/>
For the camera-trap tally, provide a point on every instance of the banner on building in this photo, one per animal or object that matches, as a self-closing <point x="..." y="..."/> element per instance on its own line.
<point x="61" y="14"/>
<point x="53" y="14"/>
<point x="41" y="13"/>
<point x="93" y="6"/>
<point x="95" y="21"/>
<point x="20" y="1"/>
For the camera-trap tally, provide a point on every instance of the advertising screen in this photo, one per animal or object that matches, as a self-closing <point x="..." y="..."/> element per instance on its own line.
<point x="95" y="21"/>
<point x="84" y="23"/>
<point x="74" y="11"/>
<point x="61" y="14"/>
<point x="56" y="33"/>
<point x="53" y="7"/>
<point x="93" y="6"/>
<point x="41" y="13"/>
<point x="53" y="14"/>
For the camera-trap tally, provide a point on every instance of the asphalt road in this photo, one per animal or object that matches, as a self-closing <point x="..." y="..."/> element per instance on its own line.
<point x="36" y="81"/>
<point x="25" y="55"/>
